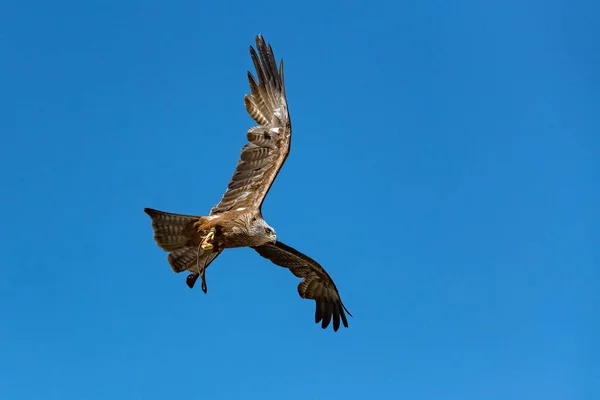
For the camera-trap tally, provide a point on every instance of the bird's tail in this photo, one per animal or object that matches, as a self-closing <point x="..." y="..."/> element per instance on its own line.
<point x="177" y="234"/>
<point x="172" y="231"/>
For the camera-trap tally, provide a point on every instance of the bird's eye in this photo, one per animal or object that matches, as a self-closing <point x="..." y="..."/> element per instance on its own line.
<point x="268" y="231"/>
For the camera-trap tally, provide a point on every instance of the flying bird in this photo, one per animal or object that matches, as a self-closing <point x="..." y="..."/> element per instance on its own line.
<point x="194" y="242"/>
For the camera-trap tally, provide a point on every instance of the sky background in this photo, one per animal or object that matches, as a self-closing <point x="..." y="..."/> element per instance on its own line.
<point x="444" y="170"/>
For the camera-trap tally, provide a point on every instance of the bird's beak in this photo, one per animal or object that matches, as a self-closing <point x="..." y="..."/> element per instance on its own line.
<point x="273" y="238"/>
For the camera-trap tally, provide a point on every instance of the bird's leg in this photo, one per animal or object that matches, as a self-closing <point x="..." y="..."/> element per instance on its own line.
<point x="207" y="240"/>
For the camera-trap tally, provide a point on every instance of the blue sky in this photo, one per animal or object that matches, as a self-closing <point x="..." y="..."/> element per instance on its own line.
<point x="444" y="170"/>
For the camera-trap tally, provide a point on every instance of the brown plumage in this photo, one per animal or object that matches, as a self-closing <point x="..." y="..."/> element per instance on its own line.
<point x="262" y="158"/>
<point x="317" y="284"/>
<point x="194" y="242"/>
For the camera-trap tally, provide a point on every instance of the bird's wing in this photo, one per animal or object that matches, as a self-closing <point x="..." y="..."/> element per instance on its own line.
<point x="316" y="285"/>
<point x="269" y="142"/>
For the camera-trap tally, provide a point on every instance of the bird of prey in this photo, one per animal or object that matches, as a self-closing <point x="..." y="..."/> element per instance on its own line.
<point x="194" y="242"/>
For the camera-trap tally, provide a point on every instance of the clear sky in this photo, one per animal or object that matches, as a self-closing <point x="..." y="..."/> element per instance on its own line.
<point x="444" y="170"/>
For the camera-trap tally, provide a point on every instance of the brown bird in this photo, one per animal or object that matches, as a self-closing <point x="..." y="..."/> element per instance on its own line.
<point x="236" y="221"/>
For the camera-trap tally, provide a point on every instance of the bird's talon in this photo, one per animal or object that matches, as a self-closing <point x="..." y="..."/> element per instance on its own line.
<point x="207" y="241"/>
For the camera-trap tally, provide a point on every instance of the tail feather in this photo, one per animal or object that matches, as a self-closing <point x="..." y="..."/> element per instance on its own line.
<point x="172" y="231"/>
<point x="176" y="234"/>
<point x="186" y="258"/>
<point x="191" y="258"/>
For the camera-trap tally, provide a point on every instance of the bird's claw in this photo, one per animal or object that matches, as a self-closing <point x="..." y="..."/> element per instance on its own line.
<point x="207" y="241"/>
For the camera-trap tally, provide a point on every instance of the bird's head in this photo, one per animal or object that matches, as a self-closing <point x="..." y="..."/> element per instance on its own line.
<point x="262" y="231"/>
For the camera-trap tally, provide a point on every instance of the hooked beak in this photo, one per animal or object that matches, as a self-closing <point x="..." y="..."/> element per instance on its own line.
<point x="273" y="237"/>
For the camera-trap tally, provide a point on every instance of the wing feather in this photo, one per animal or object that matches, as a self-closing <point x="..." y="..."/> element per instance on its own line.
<point x="269" y="142"/>
<point x="316" y="283"/>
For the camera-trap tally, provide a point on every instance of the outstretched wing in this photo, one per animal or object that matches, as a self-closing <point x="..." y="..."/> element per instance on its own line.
<point x="316" y="285"/>
<point x="269" y="142"/>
